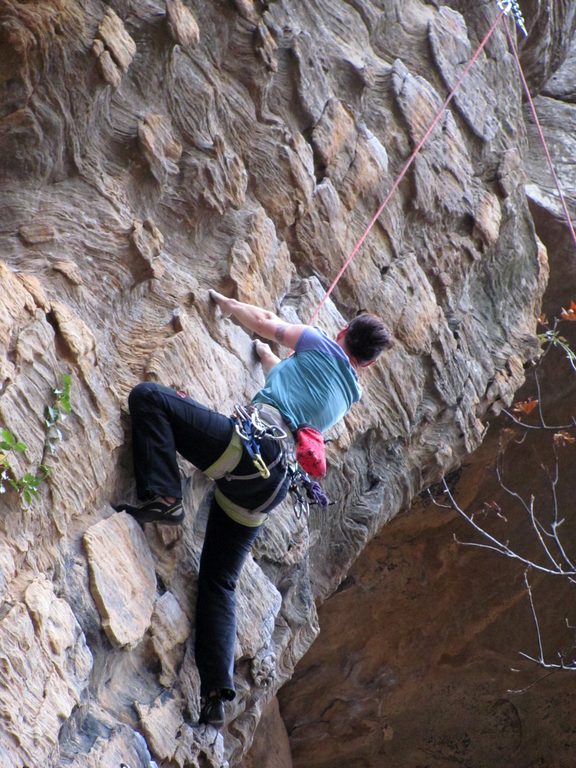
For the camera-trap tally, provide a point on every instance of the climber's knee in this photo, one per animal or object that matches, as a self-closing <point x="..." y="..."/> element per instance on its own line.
<point x="141" y="395"/>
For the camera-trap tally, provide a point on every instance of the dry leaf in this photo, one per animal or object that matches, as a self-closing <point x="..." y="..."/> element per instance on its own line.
<point x="491" y="506"/>
<point x="525" y="406"/>
<point x="563" y="438"/>
<point x="570" y="313"/>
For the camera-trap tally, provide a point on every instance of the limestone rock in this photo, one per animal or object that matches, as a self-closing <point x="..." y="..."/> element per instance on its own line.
<point x="123" y="578"/>
<point x="153" y="150"/>
<point x="149" y="241"/>
<point x="74" y="333"/>
<point x="162" y="723"/>
<point x="550" y="33"/>
<point x="452" y="50"/>
<point x="121" y="747"/>
<point x="161" y="149"/>
<point x="182" y="23"/>
<point x="558" y="121"/>
<point x="562" y="84"/>
<point x="37" y="232"/>
<point x="273" y="747"/>
<point x="170" y="629"/>
<point x="46" y="660"/>
<point x="258" y="605"/>
<point x="259" y="265"/>
<point x="70" y="270"/>
<point x="176" y="741"/>
<point x="7" y="567"/>
<point x="114" y="49"/>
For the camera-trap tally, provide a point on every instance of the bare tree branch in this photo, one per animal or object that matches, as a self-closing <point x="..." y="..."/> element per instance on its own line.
<point x="501" y="547"/>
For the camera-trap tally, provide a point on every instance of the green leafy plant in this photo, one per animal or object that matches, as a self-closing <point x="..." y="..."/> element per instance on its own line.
<point x="57" y="412"/>
<point x="553" y="338"/>
<point x="27" y="485"/>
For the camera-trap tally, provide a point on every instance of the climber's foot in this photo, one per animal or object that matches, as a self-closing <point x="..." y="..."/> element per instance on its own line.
<point x="160" y="509"/>
<point x="212" y="711"/>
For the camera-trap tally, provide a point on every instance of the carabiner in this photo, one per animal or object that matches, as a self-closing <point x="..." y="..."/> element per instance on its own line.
<point x="258" y="462"/>
<point x="512" y="5"/>
<point x="301" y="506"/>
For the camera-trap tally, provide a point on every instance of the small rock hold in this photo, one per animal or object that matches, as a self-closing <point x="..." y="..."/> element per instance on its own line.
<point x="70" y="270"/>
<point x="123" y="581"/>
<point x="266" y="46"/>
<point x="114" y="49"/>
<point x="117" y="40"/>
<point x="98" y="48"/>
<point x="73" y="332"/>
<point x="110" y="71"/>
<point x="149" y="241"/>
<point x="37" y="232"/>
<point x="264" y="668"/>
<point x="34" y="288"/>
<point x="161" y="149"/>
<point x="177" y="321"/>
<point x="247" y="9"/>
<point x="182" y="24"/>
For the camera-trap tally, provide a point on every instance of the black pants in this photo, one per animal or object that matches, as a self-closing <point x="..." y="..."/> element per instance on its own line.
<point x="165" y="422"/>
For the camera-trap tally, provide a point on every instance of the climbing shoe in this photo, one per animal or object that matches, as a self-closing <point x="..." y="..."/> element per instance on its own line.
<point x="212" y="711"/>
<point x="157" y="510"/>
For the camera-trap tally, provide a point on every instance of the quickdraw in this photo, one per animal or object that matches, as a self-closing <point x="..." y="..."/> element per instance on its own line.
<point x="252" y="430"/>
<point x="305" y="492"/>
<point x="512" y="5"/>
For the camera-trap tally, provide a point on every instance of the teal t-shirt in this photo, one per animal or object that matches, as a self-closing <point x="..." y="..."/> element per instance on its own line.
<point x="315" y="386"/>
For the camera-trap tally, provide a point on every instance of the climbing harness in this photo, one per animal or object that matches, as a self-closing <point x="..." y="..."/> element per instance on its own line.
<point x="251" y="429"/>
<point x="252" y="424"/>
<point x="512" y="5"/>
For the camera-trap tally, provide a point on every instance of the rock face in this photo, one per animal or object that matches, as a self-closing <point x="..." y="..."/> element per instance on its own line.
<point x="123" y="581"/>
<point x="418" y="660"/>
<point x="152" y="150"/>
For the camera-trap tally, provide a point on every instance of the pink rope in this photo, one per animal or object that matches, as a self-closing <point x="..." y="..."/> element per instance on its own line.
<point x="409" y="162"/>
<point x="542" y="136"/>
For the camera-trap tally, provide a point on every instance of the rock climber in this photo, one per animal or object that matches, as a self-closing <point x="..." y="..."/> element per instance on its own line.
<point x="303" y="396"/>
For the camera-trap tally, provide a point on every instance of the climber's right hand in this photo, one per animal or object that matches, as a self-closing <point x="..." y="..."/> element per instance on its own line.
<point x="220" y="300"/>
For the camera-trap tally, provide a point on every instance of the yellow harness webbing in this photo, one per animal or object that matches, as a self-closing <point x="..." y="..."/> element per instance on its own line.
<point x="226" y="463"/>
<point x="228" y="460"/>
<point x="237" y="513"/>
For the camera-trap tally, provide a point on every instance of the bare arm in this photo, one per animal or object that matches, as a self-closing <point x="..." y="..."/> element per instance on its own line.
<point x="260" y="321"/>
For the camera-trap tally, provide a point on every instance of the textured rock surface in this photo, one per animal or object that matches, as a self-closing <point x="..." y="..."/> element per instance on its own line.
<point x="150" y="151"/>
<point x="418" y="660"/>
<point x="123" y="581"/>
<point x="46" y="667"/>
<point x="418" y="657"/>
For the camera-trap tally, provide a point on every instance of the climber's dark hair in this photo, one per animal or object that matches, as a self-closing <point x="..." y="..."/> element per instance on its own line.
<point x="366" y="337"/>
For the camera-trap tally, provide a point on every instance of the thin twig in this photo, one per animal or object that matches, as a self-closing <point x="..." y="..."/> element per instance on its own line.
<point x="538" y="426"/>
<point x="534" y="616"/>
<point x="499" y="546"/>
<point x="543" y="677"/>
<point x="539" y="529"/>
